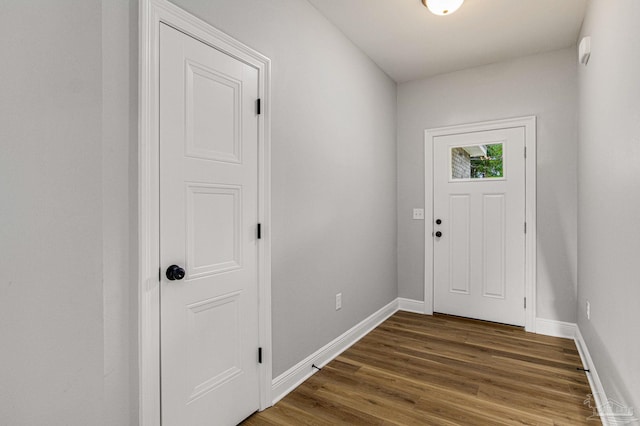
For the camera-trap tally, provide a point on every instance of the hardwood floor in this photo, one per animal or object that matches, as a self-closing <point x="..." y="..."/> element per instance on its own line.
<point x="441" y="370"/>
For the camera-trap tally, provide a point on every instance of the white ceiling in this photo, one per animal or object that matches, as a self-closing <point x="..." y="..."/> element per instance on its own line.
<point x="408" y="42"/>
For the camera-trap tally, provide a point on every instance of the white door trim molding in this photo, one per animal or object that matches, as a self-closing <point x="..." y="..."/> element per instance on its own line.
<point x="529" y="125"/>
<point x="152" y="13"/>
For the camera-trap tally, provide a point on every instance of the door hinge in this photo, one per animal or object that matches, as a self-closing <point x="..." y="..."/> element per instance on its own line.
<point x="525" y="227"/>
<point x="159" y="274"/>
<point x="258" y="109"/>
<point x="525" y="303"/>
<point x="525" y="152"/>
<point x="259" y="231"/>
<point x="259" y="355"/>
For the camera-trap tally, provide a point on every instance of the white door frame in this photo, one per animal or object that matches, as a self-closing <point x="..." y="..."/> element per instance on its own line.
<point x="529" y="125"/>
<point x="152" y="13"/>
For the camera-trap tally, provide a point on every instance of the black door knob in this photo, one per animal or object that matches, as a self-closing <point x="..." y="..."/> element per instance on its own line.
<point x="438" y="234"/>
<point x="438" y="221"/>
<point x="174" y="272"/>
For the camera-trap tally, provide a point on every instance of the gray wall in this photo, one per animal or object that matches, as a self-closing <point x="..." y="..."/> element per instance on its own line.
<point x="542" y="85"/>
<point x="51" y="295"/>
<point x="68" y="125"/>
<point x="333" y="171"/>
<point x="609" y="196"/>
<point x="119" y="214"/>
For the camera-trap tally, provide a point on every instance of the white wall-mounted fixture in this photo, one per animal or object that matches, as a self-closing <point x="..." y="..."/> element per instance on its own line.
<point x="442" y="7"/>
<point x="584" y="50"/>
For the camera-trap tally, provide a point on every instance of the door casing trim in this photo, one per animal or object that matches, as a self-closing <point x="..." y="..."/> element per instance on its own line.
<point x="152" y="13"/>
<point x="529" y="125"/>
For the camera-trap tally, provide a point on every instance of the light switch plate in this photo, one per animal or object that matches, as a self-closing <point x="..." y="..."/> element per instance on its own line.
<point x="418" y="214"/>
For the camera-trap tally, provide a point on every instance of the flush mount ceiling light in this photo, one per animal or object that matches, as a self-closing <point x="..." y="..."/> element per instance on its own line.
<point x="442" y="7"/>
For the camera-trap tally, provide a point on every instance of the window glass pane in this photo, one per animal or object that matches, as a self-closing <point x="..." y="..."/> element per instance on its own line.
<point x="477" y="162"/>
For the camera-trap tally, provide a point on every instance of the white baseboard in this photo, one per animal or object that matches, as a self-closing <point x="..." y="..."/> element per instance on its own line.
<point x="597" y="390"/>
<point x="556" y="328"/>
<point x="410" y="305"/>
<point x="293" y="377"/>
<point x="572" y="331"/>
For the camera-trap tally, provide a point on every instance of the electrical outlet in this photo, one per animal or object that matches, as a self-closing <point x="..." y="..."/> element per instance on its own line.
<point x="418" y="214"/>
<point x="338" y="301"/>
<point x="588" y="310"/>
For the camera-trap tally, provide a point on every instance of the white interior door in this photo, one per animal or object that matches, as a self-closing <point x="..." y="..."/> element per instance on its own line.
<point x="479" y="230"/>
<point x="208" y="221"/>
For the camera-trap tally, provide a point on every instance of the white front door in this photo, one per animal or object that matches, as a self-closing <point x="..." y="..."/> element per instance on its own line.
<point x="208" y="223"/>
<point x="479" y="230"/>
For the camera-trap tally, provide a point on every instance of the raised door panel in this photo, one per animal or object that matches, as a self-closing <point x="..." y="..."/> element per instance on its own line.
<point x="459" y="245"/>
<point x="494" y="245"/>
<point x="213" y="114"/>
<point x="213" y="344"/>
<point x="214" y="228"/>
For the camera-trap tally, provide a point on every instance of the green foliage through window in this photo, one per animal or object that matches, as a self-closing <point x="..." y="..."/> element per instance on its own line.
<point x="489" y="166"/>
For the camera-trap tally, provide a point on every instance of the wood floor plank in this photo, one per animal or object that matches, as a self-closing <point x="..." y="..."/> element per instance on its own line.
<point x="441" y="370"/>
<point x="449" y="370"/>
<point x="436" y="399"/>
